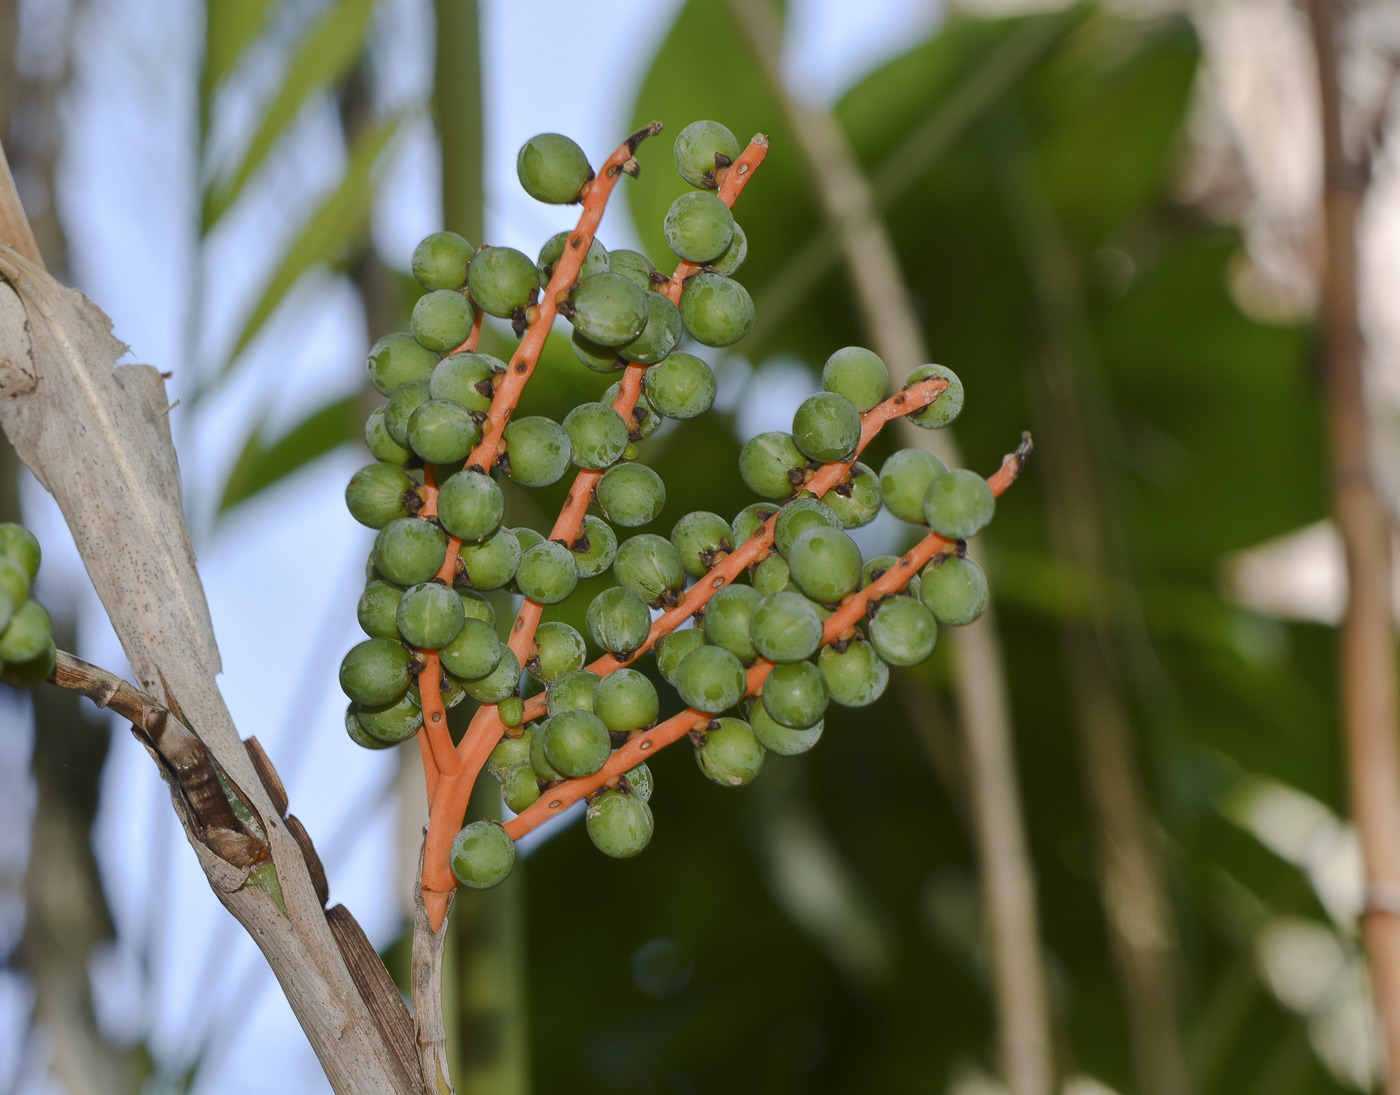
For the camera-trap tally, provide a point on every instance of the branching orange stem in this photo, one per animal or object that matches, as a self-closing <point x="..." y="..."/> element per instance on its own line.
<point x="854" y="608"/>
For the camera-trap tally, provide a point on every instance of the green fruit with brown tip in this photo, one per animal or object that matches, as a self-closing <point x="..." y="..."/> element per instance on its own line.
<point x="652" y="567"/>
<point x="701" y="149"/>
<point x="625" y="700"/>
<point x="502" y="281"/>
<point x="771" y="465"/>
<point x="466" y="378"/>
<point x="552" y="168"/>
<point x="858" y="501"/>
<point x="728" y="753"/>
<point x="594" y="262"/>
<point x="379" y="493"/>
<point x="493" y="562"/>
<point x="750" y="519"/>
<point x="558" y="649"/>
<point x="855" y="677"/>
<point x="595" y="548"/>
<point x="700" y="537"/>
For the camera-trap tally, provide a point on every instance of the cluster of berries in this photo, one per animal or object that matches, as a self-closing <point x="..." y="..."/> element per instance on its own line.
<point x="27" y="652"/>
<point x="758" y="622"/>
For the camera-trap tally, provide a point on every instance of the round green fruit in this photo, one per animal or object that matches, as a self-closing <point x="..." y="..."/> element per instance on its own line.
<point x="442" y="431"/>
<point x="710" y="679"/>
<point x="466" y="378"/>
<point x="358" y="734"/>
<point x="474" y="653"/>
<point x="618" y="620"/>
<point x="728" y="752"/>
<point x="826" y="428"/>
<point x="855" y="677"/>
<point x="786" y="627"/>
<point x="644" y="421"/>
<point x="408" y="551"/>
<point x="682" y="386"/>
<point x="374" y="672"/>
<point x="552" y="168"/>
<point x="391" y="722"/>
<point x="576" y="744"/>
<point x="440" y="261"/>
<point x="572" y="692"/>
<point x="608" y="309"/>
<point x="702" y="148"/>
<point x="787" y="741"/>
<point x="597" y="435"/>
<point x="509" y="751"/>
<point x="402" y="403"/>
<point x="734" y="255"/>
<point x="771" y="576"/>
<point x="537" y="451"/>
<point x="904" y="482"/>
<point x="594" y="262"/>
<point x="482" y="855"/>
<point x="903" y="632"/>
<point x="659" y="337"/>
<point x="634" y="266"/>
<point x="471" y="505"/>
<point x="493" y="562"/>
<point x="520" y="788"/>
<point x="700" y="537"/>
<point x="771" y="465"/>
<point x="538" y="761"/>
<point x="398" y="359"/>
<point x="727" y="618"/>
<point x="558" y="649"/>
<point x="954" y="589"/>
<point x="699" y="227"/>
<point x="500" y="683"/>
<point x="959" y="504"/>
<point x="857" y="375"/>
<point x="949" y="402"/>
<point x="630" y="495"/>
<point x="379" y="493"/>
<point x="381" y="446"/>
<point x="441" y="319"/>
<point x="716" y="310"/>
<point x="857" y="502"/>
<point x="751" y="519"/>
<point x="625" y="700"/>
<point x="795" y="694"/>
<point x="651" y="566"/>
<point x="430" y="615"/>
<point x="638" y="781"/>
<point x="601" y="359"/>
<point x="596" y="547"/>
<point x="502" y="281"/>
<point x="800" y="513"/>
<point x="477" y="607"/>
<point x="619" y="824"/>
<point x="547" y="573"/>
<point x="824" y="563"/>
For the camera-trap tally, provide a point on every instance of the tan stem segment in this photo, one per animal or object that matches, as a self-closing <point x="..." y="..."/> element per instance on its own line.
<point x="882" y="299"/>
<point x="1367" y="683"/>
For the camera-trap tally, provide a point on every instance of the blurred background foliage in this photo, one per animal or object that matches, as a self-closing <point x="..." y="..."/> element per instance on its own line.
<point x="821" y="931"/>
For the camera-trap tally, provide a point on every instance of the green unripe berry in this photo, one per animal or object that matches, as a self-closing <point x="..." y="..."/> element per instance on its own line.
<point x="638" y="781"/>
<point x="358" y="733"/>
<point x="716" y="310"/>
<point x="734" y="255"/>
<point x="466" y="378"/>
<point x="727" y="618"/>
<point x="795" y="694"/>
<point x="630" y="495"/>
<point x="572" y="692"/>
<point x="527" y="537"/>
<point x="14" y="580"/>
<point x="441" y="319"/>
<point x="379" y="493"/>
<point x="402" y="403"/>
<point x="558" y="649"/>
<point x="381" y="446"/>
<point x="511" y="711"/>
<point x="482" y="855"/>
<point x="547" y="573"/>
<point x="538" y="761"/>
<point x="825" y="563"/>
<point x="700" y="537"/>
<point x="500" y="683"/>
<point x="771" y="576"/>
<point x="682" y="386"/>
<point x="597" y="435"/>
<point x="618" y="620"/>
<point x="596" y="547"/>
<point x="659" y="337"/>
<point x="537" y="451"/>
<point x="959" y="504"/>
<point x="672" y="649"/>
<point x="954" y="589"/>
<point x="787" y="741"/>
<point x="408" y="551"/>
<point x="552" y="168"/>
<point x="728" y="752"/>
<point x="442" y="432"/>
<point x="625" y="700"/>
<point x="710" y="679"/>
<point x="799" y="514"/>
<point x="904" y="482"/>
<point x="608" y="309"/>
<point x="855" y="677"/>
<point x="786" y="627"/>
<point x="651" y="565"/>
<point x="576" y="743"/>
<point x="771" y="465"/>
<point x="826" y="427"/>
<point x="701" y="148"/>
<point x="644" y="422"/>
<point x="391" y="722"/>
<point x="594" y="262"/>
<point x="857" y="375"/>
<point x="858" y="502"/>
<point x="601" y="359"/>
<point x="634" y="266"/>
<point x="440" y="261"/>
<point x="903" y="632"/>
<point x="619" y="824"/>
<point x="520" y="788"/>
<point x="28" y="634"/>
<point x="398" y="359"/>
<point x="502" y="281"/>
<point x="493" y="562"/>
<point x="470" y="505"/>
<point x="750" y="519"/>
<point x="509" y="752"/>
<point x="699" y="227"/>
<point x="430" y="615"/>
<point x="949" y="402"/>
<point x="474" y="653"/>
<point x="374" y="672"/>
<point x="477" y="607"/>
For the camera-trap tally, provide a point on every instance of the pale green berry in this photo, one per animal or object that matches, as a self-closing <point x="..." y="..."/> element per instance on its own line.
<point x="855" y="677"/>
<point x="903" y="632"/>
<point x="493" y="562"/>
<point x="378" y="608"/>
<point x="716" y="310"/>
<point x="858" y="501"/>
<point x="750" y="520"/>
<point x="537" y="451"/>
<point x="699" y="227"/>
<point x="727" y="618"/>
<point x="379" y="493"/>
<point x="672" y="648"/>
<point x="576" y="743"/>
<point x="440" y="261"/>
<point x="520" y="788"/>
<point x="374" y="672"/>
<point x="358" y="734"/>
<point x="826" y="428"/>
<point x="474" y="653"/>
<point x="795" y="694"/>
<point x="619" y="824"/>
<point x="597" y="435"/>
<point x="557" y="649"/>
<point x="959" y="504"/>
<point x="482" y="855"/>
<point x="659" y="337"/>
<point x="408" y="551"/>
<point x="710" y="679"/>
<point x="572" y="692"/>
<point x="502" y="281"/>
<point x="381" y="446"/>
<point x="734" y="255"/>
<point x="824" y="563"/>
<point x="594" y="262"/>
<point x="618" y="620"/>
<point x="466" y="378"/>
<point x="625" y="700"/>
<point x="471" y="505"/>
<point x="800" y="513"/>
<point x="954" y="589"/>
<point x="701" y="537"/>
<point x="547" y="573"/>
<point x="857" y="375"/>
<point x="728" y="753"/>
<point x="786" y="741"/>
<point x="391" y="722"/>
<point x="552" y="168"/>
<point x="441" y="319"/>
<point x="404" y="400"/>
<point x="904" y="481"/>
<point x="786" y="627"/>
<point x="430" y="615"/>
<point x="702" y="148"/>
<point x="500" y="682"/>
<point x="596" y="547"/>
<point x="771" y="465"/>
<point x="652" y="566"/>
<point x="630" y="495"/>
<point x="398" y="359"/>
<point x="608" y="309"/>
<point x="682" y="386"/>
<point x="949" y="402"/>
<point x="771" y="576"/>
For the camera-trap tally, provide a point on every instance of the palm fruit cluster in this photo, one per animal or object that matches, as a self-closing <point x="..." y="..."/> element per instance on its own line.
<point x="438" y="397"/>
<point x="27" y="652"/>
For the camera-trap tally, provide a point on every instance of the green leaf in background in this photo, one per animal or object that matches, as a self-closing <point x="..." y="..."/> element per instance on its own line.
<point x="327" y="234"/>
<point x="325" y="55"/>
<point x="229" y="28"/>
<point x="262" y="464"/>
